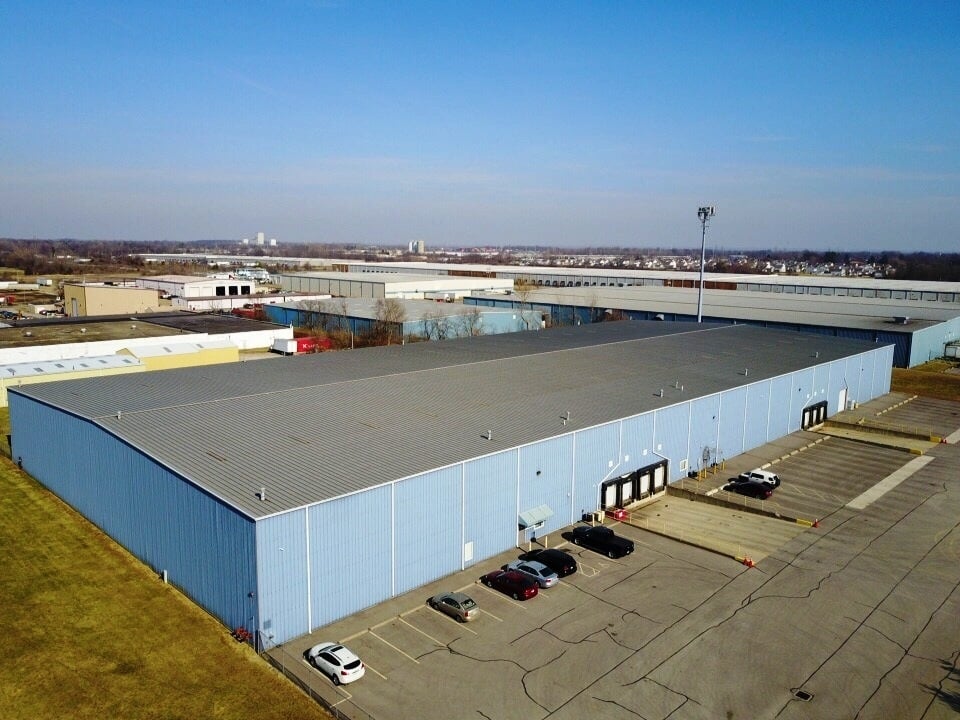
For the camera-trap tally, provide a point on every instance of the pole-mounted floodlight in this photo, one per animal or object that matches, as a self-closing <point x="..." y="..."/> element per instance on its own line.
<point x="704" y="213"/>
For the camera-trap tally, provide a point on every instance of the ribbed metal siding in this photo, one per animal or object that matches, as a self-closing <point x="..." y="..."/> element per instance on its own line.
<point x="597" y="459"/>
<point x="670" y="440"/>
<point x="882" y="373"/>
<point x="282" y="315"/>
<point x="821" y="384"/>
<point x="553" y="460"/>
<point x="350" y="554"/>
<point x="902" y="343"/>
<point x="637" y="440"/>
<point x="758" y="413"/>
<point x="837" y="382"/>
<point x="206" y="548"/>
<point x="427" y="517"/>
<point x="779" y="424"/>
<point x="852" y="373"/>
<point x="867" y="362"/>
<point x="802" y="394"/>
<point x="704" y="431"/>
<point x="282" y="577"/>
<point x="929" y="343"/>
<point x="733" y="404"/>
<point x="490" y="497"/>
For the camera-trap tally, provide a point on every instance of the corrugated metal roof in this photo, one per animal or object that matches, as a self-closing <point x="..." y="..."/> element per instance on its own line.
<point x="57" y="367"/>
<point x="186" y="348"/>
<point x="314" y="427"/>
<point x="816" y="310"/>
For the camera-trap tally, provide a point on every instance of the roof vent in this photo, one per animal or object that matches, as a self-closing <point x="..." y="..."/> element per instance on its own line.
<point x="488" y="435"/>
<point x="901" y="319"/>
<point x="262" y="494"/>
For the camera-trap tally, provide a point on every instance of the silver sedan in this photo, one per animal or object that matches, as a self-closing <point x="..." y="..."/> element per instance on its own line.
<point x="544" y="576"/>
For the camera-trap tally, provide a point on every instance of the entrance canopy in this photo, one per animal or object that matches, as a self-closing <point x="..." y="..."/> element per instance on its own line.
<point x="536" y="516"/>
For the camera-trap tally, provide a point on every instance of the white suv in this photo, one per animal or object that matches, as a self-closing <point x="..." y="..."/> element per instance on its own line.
<point x="760" y="477"/>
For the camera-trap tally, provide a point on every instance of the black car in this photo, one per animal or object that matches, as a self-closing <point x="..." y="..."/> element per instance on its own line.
<point x="750" y="489"/>
<point x="602" y="540"/>
<point x="560" y="562"/>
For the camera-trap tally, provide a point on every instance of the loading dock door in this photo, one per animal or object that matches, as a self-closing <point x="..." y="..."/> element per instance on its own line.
<point x="813" y="415"/>
<point x="645" y="483"/>
<point x="658" y="476"/>
<point x="623" y="490"/>
<point x="609" y="495"/>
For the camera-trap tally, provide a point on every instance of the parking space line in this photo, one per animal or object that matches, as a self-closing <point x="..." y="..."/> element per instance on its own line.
<point x="497" y="593"/>
<point x="426" y="635"/>
<point x="375" y="672"/>
<point x="390" y="644"/>
<point x="487" y="612"/>
<point x="381" y="624"/>
<point x="351" y="637"/>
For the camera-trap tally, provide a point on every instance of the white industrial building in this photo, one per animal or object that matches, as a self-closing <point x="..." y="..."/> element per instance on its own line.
<point x="189" y="286"/>
<point x="392" y="285"/>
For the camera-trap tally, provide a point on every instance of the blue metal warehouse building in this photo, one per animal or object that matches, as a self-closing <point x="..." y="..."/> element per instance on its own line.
<point x="282" y="496"/>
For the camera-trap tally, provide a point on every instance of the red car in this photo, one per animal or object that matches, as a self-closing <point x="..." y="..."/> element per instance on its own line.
<point x="512" y="583"/>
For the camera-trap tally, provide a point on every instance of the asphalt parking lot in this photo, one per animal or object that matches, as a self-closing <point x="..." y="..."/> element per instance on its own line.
<point x="854" y="618"/>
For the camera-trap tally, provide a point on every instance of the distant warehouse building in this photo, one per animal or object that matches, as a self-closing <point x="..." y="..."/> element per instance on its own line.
<point x="390" y="284"/>
<point x="420" y="318"/>
<point x="87" y="299"/>
<point x="919" y="330"/>
<point x="283" y="496"/>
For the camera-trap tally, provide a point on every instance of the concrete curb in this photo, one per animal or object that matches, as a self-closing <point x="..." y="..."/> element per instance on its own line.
<point x="794" y="452"/>
<point x="711" y="500"/>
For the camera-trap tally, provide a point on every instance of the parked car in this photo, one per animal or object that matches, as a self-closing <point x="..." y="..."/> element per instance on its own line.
<point x="560" y="562"/>
<point x="602" y="540"/>
<point x="336" y="662"/>
<point x="761" y="491"/>
<point x="512" y="583"/>
<point x="761" y="477"/>
<point x="544" y="576"/>
<point x="455" y="604"/>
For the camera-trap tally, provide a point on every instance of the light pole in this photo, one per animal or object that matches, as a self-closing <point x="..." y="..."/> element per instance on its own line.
<point x="704" y="213"/>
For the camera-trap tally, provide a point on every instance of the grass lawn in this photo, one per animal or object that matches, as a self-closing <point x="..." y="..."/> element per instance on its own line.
<point x="90" y="632"/>
<point x="929" y="379"/>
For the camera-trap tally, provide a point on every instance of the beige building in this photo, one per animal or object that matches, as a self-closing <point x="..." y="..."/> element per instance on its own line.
<point x="184" y="354"/>
<point x="18" y="374"/>
<point x="86" y="299"/>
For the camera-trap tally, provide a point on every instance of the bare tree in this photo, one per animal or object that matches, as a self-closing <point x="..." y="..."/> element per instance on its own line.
<point x="436" y="325"/>
<point x="523" y="289"/>
<point x="390" y="316"/>
<point x="472" y="322"/>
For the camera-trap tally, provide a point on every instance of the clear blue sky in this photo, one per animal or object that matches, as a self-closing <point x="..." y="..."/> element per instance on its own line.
<point x="821" y="125"/>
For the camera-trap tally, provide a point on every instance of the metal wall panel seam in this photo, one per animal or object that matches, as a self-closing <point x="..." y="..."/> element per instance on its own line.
<point x="463" y="513"/>
<point x="719" y="420"/>
<point x="573" y="476"/>
<point x="306" y="532"/>
<point x="689" y="428"/>
<point x="746" y="406"/>
<point x="518" y="492"/>
<point x="766" y="434"/>
<point x="393" y="540"/>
